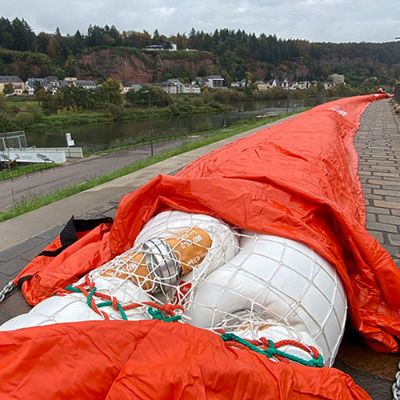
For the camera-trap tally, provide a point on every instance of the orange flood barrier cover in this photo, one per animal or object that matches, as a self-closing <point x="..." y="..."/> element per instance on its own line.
<point x="298" y="180"/>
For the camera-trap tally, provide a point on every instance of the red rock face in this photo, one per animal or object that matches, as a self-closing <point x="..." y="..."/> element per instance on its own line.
<point x="139" y="66"/>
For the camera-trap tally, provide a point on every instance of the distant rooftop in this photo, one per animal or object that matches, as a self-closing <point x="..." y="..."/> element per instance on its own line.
<point x="10" y="79"/>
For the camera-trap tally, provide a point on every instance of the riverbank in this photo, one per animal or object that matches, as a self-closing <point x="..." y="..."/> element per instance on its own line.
<point x="68" y="110"/>
<point x="67" y="119"/>
<point x="19" y="200"/>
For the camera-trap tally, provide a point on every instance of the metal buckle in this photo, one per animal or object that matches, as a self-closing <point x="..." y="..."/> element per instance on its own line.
<point x="6" y="290"/>
<point x="163" y="265"/>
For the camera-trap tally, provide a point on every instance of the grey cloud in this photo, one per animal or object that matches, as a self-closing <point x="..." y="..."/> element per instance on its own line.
<point x="316" y="20"/>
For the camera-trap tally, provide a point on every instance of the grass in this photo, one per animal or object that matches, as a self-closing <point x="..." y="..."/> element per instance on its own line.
<point x="35" y="202"/>
<point x="22" y="104"/>
<point x="11" y="173"/>
<point x="70" y="120"/>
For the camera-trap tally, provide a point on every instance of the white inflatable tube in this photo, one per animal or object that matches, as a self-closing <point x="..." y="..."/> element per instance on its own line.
<point x="268" y="286"/>
<point x="225" y="243"/>
<point x="280" y="280"/>
<point x="73" y="306"/>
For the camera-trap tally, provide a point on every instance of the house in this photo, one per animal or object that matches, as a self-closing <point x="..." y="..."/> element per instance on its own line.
<point x="127" y="86"/>
<point x="52" y="84"/>
<point x="173" y="86"/>
<point x="261" y="86"/>
<point x="303" y="85"/>
<point x="285" y="84"/>
<point x="86" y="84"/>
<point x="328" y="85"/>
<point x="154" y="47"/>
<point x="32" y="83"/>
<point x="199" y="80"/>
<point x="15" y="81"/>
<point x="273" y="83"/>
<point x="191" y="89"/>
<point x="336" y="79"/>
<point x="161" y="47"/>
<point x="214" y="82"/>
<point x="69" y="81"/>
<point x="239" y="84"/>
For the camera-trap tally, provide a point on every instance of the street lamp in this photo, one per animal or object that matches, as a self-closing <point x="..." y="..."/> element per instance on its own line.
<point x="150" y="122"/>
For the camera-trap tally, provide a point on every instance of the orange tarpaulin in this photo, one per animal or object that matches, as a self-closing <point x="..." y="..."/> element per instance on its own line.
<point x="298" y="180"/>
<point x="150" y="360"/>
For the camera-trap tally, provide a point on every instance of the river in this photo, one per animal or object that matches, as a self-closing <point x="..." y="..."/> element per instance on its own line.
<point x="98" y="137"/>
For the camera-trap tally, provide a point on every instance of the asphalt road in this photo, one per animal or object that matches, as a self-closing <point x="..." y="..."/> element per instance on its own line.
<point x="74" y="172"/>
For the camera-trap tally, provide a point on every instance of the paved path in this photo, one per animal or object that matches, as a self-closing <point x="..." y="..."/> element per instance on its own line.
<point x="75" y="172"/>
<point x="378" y="146"/>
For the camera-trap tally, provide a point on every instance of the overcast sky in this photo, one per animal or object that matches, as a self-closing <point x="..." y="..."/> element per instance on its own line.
<point x="315" y="20"/>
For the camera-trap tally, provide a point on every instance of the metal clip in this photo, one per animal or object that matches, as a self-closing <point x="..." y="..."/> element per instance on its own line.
<point x="6" y="290"/>
<point x="396" y="386"/>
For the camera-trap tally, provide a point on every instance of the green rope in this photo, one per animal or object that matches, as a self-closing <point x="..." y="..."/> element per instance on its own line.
<point x="122" y="312"/>
<point x="157" y="314"/>
<point x="71" y="288"/>
<point x="90" y="295"/>
<point x="273" y="351"/>
<point x="110" y="304"/>
<point x="104" y="304"/>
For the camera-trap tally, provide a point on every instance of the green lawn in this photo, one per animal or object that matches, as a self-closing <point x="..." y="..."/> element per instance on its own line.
<point x="24" y="170"/>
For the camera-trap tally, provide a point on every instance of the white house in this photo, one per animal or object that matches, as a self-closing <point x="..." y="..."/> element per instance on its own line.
<point x="161" y="47"/>
<point x="328" y="85"/>
<point x="70" y="81"/>
<point x="214" y="82"/>
<point x="86" y="84"/>
<point x="127" y="86"/>
<point x="173" y="86"/>
<point x="191" y="89"/>
<point x="303" y="85"/>
<point x="273" y="83"/>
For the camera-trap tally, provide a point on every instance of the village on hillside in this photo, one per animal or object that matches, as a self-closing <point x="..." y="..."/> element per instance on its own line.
<point x="11" y="85"/>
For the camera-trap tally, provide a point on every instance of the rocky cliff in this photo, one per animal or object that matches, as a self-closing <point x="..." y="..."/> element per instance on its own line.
<point x="142" y="67"/>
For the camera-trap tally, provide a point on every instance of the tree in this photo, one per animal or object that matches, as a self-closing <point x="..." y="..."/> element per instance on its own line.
<point x="24" y="38"/>
<point x="41" y="95"/>
<point x="54" y="48"/>
<point x="148" y="95"/>
<point x="8" y="89"/>
<point x="111" y="93"/>
<point x="42" y="40"/>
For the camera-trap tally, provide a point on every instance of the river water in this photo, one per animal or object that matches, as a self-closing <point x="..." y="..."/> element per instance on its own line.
<point x="102" y="136"/>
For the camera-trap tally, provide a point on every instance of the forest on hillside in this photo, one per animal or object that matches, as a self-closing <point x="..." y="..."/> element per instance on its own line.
<point x="235" y="53"/>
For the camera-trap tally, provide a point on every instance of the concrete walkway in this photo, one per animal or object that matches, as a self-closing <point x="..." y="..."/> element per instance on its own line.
<point x="378" y="146"/>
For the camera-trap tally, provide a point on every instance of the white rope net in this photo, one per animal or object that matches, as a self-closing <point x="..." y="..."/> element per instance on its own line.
<point x="252" y="285"/>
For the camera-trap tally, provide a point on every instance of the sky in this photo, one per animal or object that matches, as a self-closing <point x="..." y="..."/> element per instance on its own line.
<point x="314" y="20"/>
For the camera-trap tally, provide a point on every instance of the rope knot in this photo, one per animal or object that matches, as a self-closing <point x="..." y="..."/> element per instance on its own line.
<point x="270" y="349"/>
